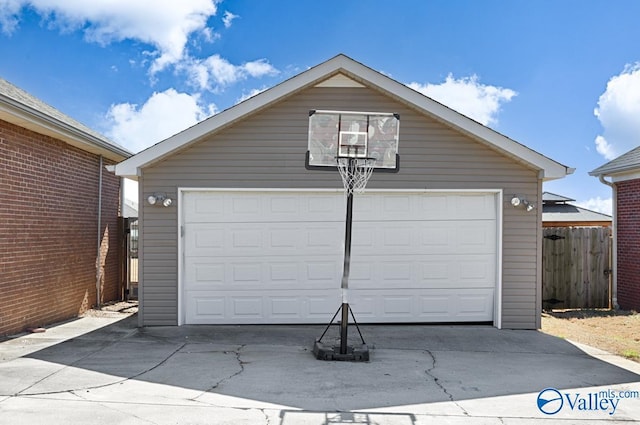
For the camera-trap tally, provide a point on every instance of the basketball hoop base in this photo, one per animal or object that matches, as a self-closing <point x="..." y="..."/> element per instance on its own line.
<point x="342" y="351"/>
<point x="332" y="353"/>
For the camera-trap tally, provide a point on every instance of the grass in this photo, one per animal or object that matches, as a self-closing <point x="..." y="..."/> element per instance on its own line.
<point x="615" y="331"/>
<point x="631" y="354"/>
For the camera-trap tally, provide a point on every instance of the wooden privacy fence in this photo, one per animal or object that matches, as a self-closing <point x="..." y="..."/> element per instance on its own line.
<point x="575" y="267"/>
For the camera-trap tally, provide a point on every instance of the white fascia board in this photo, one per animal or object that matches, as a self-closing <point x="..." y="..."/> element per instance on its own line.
<point x="550" y="168"/>
<point x="621" y="177"/>
<point x="131" y="167"/>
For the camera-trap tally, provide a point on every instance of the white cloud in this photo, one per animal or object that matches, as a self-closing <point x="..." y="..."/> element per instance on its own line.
<point x="9" y="10"/>
<point x="468" y="96"/>
<point x="215" y="72"/>
<point x="164" y="24"/>
<point x="163" y="115"/>
<point x="598" y="204"/>
<point x="251" y="93"/>
<point x="228" y="18"/>
<point x="619" y="111"/>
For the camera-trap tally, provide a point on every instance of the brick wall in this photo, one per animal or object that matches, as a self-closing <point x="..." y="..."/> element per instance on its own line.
<point x="628" y="224"/>
<point x="48" y="230"/>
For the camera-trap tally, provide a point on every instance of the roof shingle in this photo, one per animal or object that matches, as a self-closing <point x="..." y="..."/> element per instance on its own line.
<point x="629" y="161"/>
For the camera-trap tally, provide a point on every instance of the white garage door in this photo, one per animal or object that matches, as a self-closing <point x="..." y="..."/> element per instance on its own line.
<point x="276" y="256"/>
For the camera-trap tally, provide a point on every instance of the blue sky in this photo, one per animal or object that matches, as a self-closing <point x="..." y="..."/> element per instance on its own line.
<point x="560" y="76"/>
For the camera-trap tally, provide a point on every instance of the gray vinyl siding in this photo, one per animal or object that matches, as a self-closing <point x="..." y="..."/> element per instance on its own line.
<point x="267" y="150"/>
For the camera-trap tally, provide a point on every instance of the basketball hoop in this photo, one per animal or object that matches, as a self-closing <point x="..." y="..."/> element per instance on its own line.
<point x="356" y="143"/>
<point x="355" y="173"/>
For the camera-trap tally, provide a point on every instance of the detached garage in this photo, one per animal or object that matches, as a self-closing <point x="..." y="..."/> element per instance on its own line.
<point x="235" y="230"/>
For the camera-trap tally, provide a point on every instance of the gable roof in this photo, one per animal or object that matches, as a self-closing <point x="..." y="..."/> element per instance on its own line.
<point x="344" y="68"/>
<point x="20" y="108"/>
<point x="625" y="163"/>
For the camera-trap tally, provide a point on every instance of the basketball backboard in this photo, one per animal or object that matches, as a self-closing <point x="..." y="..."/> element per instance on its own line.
<point x="348" y="134"/>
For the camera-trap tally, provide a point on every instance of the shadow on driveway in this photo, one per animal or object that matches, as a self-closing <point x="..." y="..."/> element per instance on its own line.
<point x="273" y="365"/>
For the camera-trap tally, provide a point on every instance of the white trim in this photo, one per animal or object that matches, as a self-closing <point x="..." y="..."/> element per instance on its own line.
<point x="340" y="80"/>
<point x="254" y="189"/>
<point x="539" y="254"/>
<point x="614" y="248"/>
<point x="28" y="117"/>
<point x="359" y="72"/>
<point x="261" y="189"/>
<point x="381" y="114"/>
<point x="158" y="151"/>
<point x="141" y="267"/>
<point x="497" y="319"/>
<point x="181" y="239"/>
<point x="615" y="178"/>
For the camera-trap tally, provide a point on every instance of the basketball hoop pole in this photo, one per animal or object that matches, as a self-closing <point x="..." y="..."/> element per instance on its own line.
<point x="344" y="323"/>
<point x="344" y="352"/>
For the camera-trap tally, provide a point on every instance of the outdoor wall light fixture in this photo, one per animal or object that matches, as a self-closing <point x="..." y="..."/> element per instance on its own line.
<point x="516" y="201"/>
<point x="159" y="199"/>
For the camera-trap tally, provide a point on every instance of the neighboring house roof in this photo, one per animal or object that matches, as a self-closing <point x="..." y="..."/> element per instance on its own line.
<point x="548" y="197"/>
<point x="346" y="71"/>
<point x="555" y="209"/>
<point x="625" y="163"/>
<point x="20" y="108"/>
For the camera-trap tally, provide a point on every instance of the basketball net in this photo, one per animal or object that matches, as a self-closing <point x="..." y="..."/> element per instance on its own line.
<point x="355" y="173"/>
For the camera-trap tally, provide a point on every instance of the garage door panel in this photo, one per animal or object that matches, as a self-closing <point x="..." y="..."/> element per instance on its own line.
<point x="471" y="305"/>
<point x="257" y="239"/>
<point x="204" y="274"/>
<point x="477" y="236"/>
<point x="262" y="273"/>
<point x="420" y="271"/>
<point x="262" y="207"/>
<point x="427" y="238"/>
<point x="472" y="206"/>
<point x="445" y="305"/>
<point x="278" y="307"/>
<point x="205" y="308"/>
<point x="428" y="206"/>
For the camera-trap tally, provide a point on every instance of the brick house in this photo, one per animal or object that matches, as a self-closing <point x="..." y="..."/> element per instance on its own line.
<point x="58" y="204"/>
<point x="624" y="174"/>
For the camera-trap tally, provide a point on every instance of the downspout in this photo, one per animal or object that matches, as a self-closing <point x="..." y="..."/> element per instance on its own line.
<point x="122" y="197"/>
<point x="123" y="236"/>
<point x="98" y="274"/>
<point x="613" y="277"/>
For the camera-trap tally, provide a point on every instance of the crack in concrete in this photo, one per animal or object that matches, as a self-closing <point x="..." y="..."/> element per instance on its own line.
<point x="58" y="371"/>
<point x="266" y="417"/>
<point x="73" y="390"/>
<point x="176" y="351"/>
<point x="436" y="380"/>
<point x="226" y="378"/>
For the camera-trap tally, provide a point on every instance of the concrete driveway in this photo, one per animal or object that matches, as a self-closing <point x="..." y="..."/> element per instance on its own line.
<point x="108" y="371"/>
